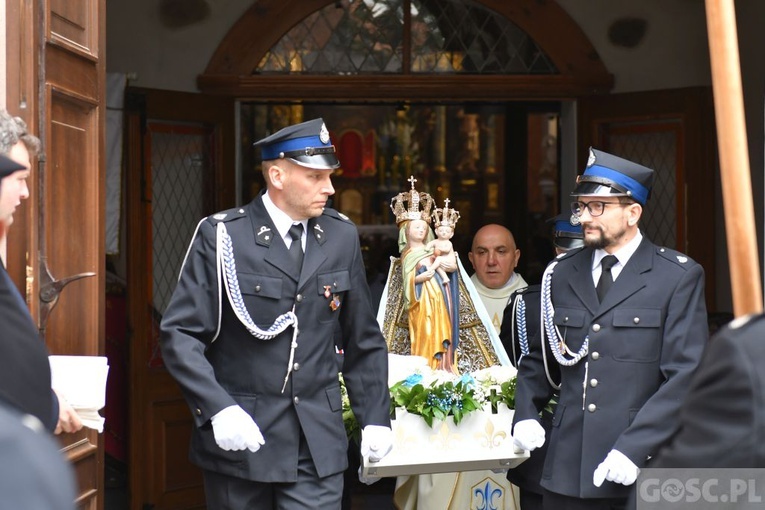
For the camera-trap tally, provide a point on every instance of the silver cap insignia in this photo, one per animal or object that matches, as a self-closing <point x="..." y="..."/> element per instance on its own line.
<point x="324" y="134"/>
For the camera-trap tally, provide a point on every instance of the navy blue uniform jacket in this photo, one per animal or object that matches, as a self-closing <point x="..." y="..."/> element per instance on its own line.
<point x="237" y="368"/>
<point x="24" y="368"/>
<point x="722" y="423"/>
<point x="528" y="474"/>
<point x="646" y="339"/>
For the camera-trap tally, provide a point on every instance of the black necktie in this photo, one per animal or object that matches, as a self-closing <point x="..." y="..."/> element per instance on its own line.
<point x="606" y="278"/>
<point x="296" y="248"/>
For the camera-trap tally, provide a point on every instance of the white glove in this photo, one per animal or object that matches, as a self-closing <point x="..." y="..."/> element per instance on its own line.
<point x="376" y="442"/>
<point x="234" y="429"/>
<point x="528" y="434"/>
<point x="615" y="468"/>
<point x="367" y="480"/>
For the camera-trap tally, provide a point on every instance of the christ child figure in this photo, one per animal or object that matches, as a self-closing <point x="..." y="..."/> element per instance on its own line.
<point x="444" y="258"/>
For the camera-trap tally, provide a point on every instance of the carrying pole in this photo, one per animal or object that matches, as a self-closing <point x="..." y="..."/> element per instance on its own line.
<point x="746" y="287"/>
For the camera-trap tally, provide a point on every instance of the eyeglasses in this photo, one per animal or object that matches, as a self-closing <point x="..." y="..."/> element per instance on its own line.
<point x="595" y="208"/>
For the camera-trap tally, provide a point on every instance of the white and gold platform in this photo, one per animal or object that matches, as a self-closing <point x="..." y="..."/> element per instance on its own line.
<point x="481" y="441"/>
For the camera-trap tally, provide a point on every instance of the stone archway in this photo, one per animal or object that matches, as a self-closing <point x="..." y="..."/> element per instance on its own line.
<point x="230" y="70"/>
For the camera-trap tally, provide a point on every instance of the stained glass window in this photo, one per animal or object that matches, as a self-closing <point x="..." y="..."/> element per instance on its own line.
<point x="368" y="37"/>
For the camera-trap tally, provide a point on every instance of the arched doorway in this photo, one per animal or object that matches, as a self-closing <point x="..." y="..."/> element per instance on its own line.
<point x="554" y="61"/>
<point x="460" y="73"/>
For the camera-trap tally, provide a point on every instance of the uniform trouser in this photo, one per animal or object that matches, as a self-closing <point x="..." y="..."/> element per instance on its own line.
<point x="554" y="501"/>
<point x="530" y="500"/>
<point x="309" y="492"/>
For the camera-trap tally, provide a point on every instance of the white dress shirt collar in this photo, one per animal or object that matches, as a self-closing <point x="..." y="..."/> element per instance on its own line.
<point x="623" y="256"/>
<point x="282" y="221"/>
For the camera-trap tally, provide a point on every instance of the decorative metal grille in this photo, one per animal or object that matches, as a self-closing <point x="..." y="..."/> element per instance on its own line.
<point x="180" y="162"/>
<point x="366" y="37"/>
<point x="459" y="36"/>
<point x="343" y="38"/>
<point x="657" y="150"/>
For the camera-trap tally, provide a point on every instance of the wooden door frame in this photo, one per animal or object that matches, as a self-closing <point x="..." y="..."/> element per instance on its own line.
<point x="22" y="62"/>
<point x="55" y="56"/>
<point x="143" y="105"/>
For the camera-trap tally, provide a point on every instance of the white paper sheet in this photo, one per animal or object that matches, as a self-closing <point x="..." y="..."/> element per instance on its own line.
<point x="81" y="380"/>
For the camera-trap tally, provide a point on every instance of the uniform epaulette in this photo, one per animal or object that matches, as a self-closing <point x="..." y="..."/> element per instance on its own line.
<point x="227" y="215"/>
<point x="678" y="258"/>
<point x="332" y="213"/>
<point x="567" y="254"/>
<point x="528" y="290"/>
<point x="745" y="321"/>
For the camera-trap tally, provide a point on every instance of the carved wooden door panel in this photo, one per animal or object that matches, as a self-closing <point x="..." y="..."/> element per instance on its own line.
<point x="56" y="71"/>
<point x="72" y="203"/>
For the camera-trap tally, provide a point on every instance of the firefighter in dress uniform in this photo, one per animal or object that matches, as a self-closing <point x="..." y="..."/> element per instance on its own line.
<point x="520" y="336"/>
<point x="626" y="357"/>
<point x="248" y="335"/>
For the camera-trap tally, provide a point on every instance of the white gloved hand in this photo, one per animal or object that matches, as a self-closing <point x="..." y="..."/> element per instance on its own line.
<point x="528" y="434"/>
<point x="367" y="480"/>
<point x="376" y="442"/>
<point x="615" y="468"/>
<point x="234" y="429"/>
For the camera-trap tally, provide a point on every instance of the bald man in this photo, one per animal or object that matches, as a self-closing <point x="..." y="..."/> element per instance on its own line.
<point x="495" y="256"/>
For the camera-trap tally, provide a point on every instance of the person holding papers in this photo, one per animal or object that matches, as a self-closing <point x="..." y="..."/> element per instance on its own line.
<point x="25" y="378"/>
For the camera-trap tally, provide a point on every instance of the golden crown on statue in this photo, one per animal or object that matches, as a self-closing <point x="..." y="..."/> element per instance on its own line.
<point x="411" y="205"/>
<point x="445" y="217"/>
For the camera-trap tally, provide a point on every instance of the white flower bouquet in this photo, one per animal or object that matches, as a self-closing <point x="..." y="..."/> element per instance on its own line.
<point x="445" y="422"/>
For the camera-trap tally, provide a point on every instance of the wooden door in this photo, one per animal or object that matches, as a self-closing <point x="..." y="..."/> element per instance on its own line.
<point x="180" y="168"/>
<point x="673" y="132"/>
<point x="55" y="56"/>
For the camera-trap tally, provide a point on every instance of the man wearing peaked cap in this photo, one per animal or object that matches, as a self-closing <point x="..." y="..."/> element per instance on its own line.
<point x="306" y="144"/>
<point x="566" y="235"/>
<point x="611" y="175"/>
<point x="626" y="318"/>
<point x="249" y="336"/>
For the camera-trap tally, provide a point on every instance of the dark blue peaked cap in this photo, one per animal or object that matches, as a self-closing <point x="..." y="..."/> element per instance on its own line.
<point x="8" y="166"/>
<point x="566" y="235"/>
<point x="609" y="175"/>
<point x="306" y="144"/>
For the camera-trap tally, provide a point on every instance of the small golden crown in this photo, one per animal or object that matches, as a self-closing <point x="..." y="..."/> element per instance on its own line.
<point x="445" y="217"/>
<point x="411" y="205"/>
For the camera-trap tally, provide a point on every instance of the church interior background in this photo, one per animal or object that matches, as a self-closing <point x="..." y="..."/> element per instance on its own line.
<point x="508" y="160"/>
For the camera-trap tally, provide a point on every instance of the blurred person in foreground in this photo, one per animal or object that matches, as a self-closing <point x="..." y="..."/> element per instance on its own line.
<point x="722" y="421"/>
<point x="34" y="475"/>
